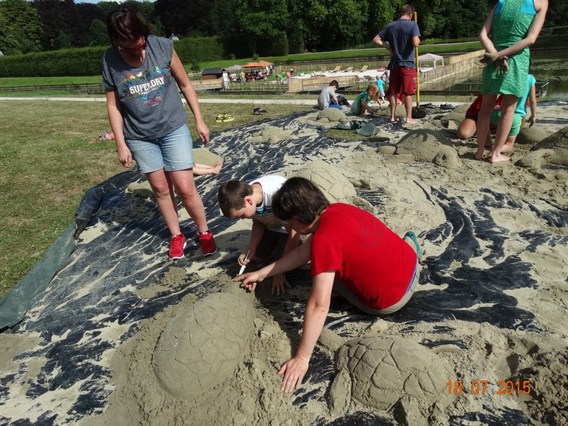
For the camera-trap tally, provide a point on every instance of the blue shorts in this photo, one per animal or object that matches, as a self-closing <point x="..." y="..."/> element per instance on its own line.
<point x="172" y="152"/>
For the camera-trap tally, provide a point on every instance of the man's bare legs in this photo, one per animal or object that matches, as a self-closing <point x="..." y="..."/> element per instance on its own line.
<point x="408" y="108"/>
<point x="392" y="106"/>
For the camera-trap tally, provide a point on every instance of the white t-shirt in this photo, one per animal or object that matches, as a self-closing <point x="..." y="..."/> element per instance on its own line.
<point x="270" y="184"/>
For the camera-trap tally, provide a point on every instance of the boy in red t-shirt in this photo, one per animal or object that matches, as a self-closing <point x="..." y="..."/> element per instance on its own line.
<point x="351" y="252"/>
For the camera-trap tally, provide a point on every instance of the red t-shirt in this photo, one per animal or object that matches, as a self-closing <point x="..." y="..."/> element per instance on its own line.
<point x="368" y="257"/>
<point x="473" y="110"/>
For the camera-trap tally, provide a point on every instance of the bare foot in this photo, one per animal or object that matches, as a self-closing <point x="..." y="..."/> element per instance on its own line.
<point x="217" y="167"/>
<point x="393" y="120"/>
<point x="498" y="158"/>
<point x="479" y="154"/>
<point x="409" y="121"/>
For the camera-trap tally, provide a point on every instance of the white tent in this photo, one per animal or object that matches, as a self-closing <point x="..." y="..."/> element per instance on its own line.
<point x="430" y="57"/>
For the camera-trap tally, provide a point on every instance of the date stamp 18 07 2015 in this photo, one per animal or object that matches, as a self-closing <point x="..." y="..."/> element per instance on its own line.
<point x="483" y="387"/>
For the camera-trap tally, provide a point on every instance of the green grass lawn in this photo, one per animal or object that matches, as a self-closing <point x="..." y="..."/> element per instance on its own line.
<point x="49" y="156"/>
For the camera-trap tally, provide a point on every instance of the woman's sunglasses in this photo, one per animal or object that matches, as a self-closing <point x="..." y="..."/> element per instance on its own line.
<point x="134" y="49"/>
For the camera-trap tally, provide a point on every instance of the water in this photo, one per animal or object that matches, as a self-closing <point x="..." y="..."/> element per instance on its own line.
<point x="554" y="69"/>
<point x="548" y="67"/>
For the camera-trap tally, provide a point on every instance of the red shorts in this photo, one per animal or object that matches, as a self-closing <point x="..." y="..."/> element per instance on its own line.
<point x="402" y="80"/>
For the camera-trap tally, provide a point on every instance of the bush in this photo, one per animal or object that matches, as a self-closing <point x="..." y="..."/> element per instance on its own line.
<point x="89" y="60"/>
<point x="199" y="49"/>
<point x="72" y="62"/>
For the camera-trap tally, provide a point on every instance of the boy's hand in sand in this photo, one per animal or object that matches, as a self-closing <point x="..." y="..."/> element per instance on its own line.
<point x="279" y="284"/>
<point x="250" y="280"/>
<point x="293" y="372"/>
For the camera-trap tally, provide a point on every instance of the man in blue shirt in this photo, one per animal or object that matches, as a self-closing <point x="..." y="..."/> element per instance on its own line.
<point x="401" y="38"/>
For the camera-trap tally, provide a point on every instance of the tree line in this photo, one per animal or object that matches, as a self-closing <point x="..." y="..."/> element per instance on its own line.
<point x="248" y="27"/>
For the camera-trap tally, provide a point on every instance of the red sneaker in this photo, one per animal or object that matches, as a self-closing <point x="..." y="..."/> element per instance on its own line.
<point x="208" y="246"/>
<point x="177" y="244"/>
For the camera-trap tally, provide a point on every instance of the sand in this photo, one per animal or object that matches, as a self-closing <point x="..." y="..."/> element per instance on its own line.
<point x="483" y="340"/>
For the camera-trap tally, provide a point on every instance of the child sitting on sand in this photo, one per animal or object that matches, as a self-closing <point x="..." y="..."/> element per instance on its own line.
<point x="352" y="253"/>
<point x="242" y="200"/>
<point x="360" y="105"/>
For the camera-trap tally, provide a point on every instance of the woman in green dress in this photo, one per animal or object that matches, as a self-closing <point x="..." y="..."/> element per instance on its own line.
<point x="511" y="27"/>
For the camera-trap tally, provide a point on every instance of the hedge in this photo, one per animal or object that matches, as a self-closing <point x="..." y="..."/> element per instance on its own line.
<point x="88" y="60"/>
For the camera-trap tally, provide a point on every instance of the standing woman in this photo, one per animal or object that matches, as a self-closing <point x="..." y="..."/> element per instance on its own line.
<point x="510" y="29"/>
<point x="147" y="117"/>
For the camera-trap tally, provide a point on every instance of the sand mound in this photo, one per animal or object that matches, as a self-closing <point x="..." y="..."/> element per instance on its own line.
<point x="378" y="372"/>
<point x="428" y="146"/>
<point x="202" y="346"/>
<point x="335" y="186"/>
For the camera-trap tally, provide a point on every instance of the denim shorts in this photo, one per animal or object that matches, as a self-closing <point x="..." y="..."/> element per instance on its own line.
<point x="171" y="152"/>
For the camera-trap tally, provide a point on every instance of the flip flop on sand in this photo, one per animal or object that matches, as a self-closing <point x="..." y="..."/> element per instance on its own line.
<point x="412" y="237"/>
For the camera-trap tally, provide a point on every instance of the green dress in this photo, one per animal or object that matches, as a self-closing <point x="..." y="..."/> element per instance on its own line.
<point x="511" y="22"/>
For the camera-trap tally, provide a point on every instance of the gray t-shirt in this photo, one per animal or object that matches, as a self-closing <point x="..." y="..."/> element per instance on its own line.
<point x="325" y="96"/>
<point x="149" y="95"/>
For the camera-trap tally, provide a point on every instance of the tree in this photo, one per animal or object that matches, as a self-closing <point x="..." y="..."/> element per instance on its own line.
<point x="61" y="23"/>
<point x="98" y="33"/>
<point x="185" y="17"/>
<point x="260" y="22"/>
<point x="19" y="27"/>
<point x="347" y="20"/>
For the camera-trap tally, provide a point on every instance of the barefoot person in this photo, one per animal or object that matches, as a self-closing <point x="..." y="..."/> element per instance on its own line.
<point x="519" y="118"/>
<point x="351" y="252"/>
<point x="510" y="29"/>
<point x="401" y="38"/>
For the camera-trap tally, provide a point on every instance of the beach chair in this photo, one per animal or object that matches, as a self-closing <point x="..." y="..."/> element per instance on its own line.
<point x="336" y="69"/>
<point x="350" y="69"/>
<point x="364" y="68"/>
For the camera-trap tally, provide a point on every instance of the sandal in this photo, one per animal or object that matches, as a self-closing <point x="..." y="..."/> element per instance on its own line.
<point x="412" y="236"/>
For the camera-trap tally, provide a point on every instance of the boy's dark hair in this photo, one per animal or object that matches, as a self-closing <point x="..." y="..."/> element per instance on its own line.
<point x="299" y="198"/>
<point x="125" y="25"/>
<point x="334" y="83"/>
<point x="232" y="195"/>
<point x="407" y="9"/>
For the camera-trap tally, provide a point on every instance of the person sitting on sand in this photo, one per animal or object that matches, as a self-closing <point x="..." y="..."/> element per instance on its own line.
<point x="327" y="96"/>
<point x="361" y="104"/>
<point x="519" y="116"/>
<point x="468" y="127"/>
<point x="253" y="200"/>
<point x="351" y="252"/>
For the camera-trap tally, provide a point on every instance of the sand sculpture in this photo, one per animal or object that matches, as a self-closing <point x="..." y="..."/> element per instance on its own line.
<point x="332" y="115"/>
<point x="203" y="345"/>
<point x="335" y="186"/>
<point x="552" y="150"/>
<point x="427" y="146"/>
<point x="379" y="372"/>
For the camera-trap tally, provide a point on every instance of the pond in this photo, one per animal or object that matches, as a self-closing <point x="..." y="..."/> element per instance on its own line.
<point x="550" y="69"/>
<point x="554" y="69"/>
